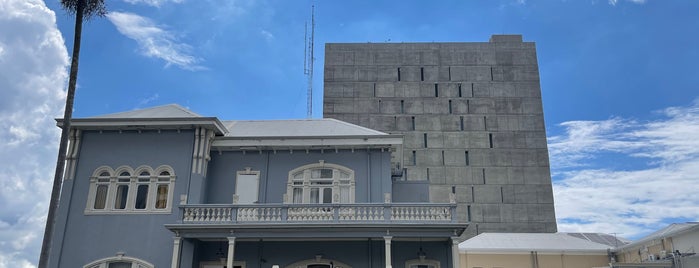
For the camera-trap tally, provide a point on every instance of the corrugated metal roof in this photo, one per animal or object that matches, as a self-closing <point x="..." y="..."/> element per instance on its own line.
<point x="296" y="128"/>
<point x="164" y="111"/>
<point x="525" y="242"/>
<point x="324" y="127"/>
<point x="669" y="231"/>
<point x="601" y="238"/>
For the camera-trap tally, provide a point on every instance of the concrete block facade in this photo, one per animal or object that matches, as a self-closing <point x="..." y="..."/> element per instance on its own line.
<point x="472" y="119"/>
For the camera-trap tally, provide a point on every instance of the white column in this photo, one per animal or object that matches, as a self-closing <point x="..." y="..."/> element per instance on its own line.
<point x="231" y="251"/>
<point x="455" y="257"/>
<point x="176" y="252"/>
<point x="387" y="240"/>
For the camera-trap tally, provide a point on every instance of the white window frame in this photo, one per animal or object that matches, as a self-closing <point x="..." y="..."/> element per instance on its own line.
<point x="247" y="171"/>
<point x="306" y="183"/>
<point x="104" y="263"/>
<point x="134" y="179"/>
<point x="430" y="262"/>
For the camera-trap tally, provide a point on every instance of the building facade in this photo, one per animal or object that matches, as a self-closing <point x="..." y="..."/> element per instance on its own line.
<point x="673" y="246"/>
<point x="165" y="187"/>
<point x="472" y="118"/>
<point x="533" y="250"/>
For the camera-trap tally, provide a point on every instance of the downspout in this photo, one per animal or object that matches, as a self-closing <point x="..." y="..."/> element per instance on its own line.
<point x="191" y="168"/>
<point x="368" y="175"/>
<point x="267" y="180"/>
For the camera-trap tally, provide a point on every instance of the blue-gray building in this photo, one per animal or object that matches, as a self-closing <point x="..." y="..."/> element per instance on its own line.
<point x="165" y="187"/>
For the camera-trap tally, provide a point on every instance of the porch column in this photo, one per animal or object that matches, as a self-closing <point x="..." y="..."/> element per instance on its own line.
<point x="455" y="257"/>
<point x="231" y="251"/>
<point x="176" y="252"/>
<point x="387" y="240"/>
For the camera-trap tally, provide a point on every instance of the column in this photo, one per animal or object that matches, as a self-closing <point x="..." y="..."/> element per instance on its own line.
<point x="176" y="252"/>
<point x="387" y="240"/>
<point x="231" y="251"/>
<point x="455" y="255"/>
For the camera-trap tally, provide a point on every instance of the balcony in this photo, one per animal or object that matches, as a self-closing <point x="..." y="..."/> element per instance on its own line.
<point x="388" y="213"/>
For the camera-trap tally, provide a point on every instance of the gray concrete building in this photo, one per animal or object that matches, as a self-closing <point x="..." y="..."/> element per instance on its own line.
<point x="472" y="119"/>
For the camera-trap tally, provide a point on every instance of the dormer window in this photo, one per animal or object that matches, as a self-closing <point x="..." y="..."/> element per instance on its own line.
<point x="321" y="183"/>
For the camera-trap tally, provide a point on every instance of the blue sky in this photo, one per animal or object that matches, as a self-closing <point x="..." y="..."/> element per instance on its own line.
<point x="618" y="77"/>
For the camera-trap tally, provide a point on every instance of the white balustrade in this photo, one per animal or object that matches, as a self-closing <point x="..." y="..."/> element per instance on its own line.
<point x="315" y="213"/>
<point x="421" y="213"/>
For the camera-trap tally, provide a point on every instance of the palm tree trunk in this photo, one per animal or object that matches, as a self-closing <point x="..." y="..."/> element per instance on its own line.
<point x="60" y="163"/>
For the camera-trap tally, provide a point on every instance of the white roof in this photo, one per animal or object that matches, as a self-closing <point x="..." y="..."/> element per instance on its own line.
<point x="323" y="127"/>
<point x="164" y="111"/>
<point x="669" y="231"/>
<point x="526" y="242"/>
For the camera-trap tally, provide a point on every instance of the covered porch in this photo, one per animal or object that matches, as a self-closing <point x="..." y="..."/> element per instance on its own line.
<point x="314" y="245"/>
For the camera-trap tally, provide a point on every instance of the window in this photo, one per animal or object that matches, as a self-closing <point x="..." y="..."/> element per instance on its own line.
<point x="247" y="186"/>
<point x="119" y="262"/>
<point x="320" y="183"/>
<point x="126" y="190"/>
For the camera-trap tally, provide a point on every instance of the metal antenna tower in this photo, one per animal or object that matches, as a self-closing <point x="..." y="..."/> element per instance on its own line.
<point x="308" y="60"/>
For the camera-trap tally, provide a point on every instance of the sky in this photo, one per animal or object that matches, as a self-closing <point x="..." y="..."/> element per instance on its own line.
<point x="618" y="78"/>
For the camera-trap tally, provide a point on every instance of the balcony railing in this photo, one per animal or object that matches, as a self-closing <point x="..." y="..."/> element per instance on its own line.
<point x="318" y="213"/>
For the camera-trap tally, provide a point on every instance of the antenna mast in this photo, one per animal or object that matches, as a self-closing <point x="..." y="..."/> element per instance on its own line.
<point x="308" y="60"/>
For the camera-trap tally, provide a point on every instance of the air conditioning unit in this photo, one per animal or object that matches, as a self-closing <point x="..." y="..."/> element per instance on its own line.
<point x="651" y="257"/>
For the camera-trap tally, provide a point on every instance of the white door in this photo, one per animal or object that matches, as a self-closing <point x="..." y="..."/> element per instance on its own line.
<point x="246" y="187"/>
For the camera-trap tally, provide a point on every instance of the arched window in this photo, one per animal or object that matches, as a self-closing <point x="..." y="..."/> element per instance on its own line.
<point x="119" y="262"/>
<point x="101" y="185"/>
<point x="422" y="263"/>
<point x="318" y="262"/>
<point x="125" y="190"/>
<point x="320" y="183"/>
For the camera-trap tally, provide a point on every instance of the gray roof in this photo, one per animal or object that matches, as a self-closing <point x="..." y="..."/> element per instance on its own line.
<point x="171" y="116"/>
<point x="526" y="242"/>
<point x="294" y="128"/>
<point x="297" y="128"/>
<point x="164" y="111"/>
<point x="671" y="230"/>
<point x="607" y="239"/>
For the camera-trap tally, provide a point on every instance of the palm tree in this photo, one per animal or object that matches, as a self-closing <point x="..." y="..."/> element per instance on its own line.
<point x="83" y="10"/>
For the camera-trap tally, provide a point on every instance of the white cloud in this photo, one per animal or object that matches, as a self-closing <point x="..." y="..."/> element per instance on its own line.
<point x="154" y="41"/>
<point x="267" y="35"/>
<point x="636" y="200"/>
<point x="154" y="3"/>
<point x="33" y="61"/>
<point x="614" y="2"/>
<point x="147" y="100"/>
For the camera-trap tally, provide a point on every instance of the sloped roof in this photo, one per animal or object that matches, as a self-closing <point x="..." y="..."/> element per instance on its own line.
<point x="526" y="242"/>
<point x="669" y="231"/>
<point x="323" y="127"/>
<point x="164" y="111"/>
<point x="171" y="116"/>
<point x="602" y="238"/>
